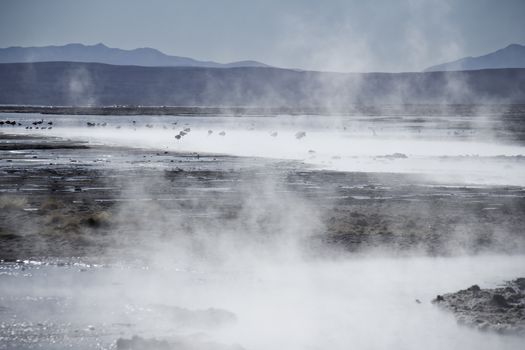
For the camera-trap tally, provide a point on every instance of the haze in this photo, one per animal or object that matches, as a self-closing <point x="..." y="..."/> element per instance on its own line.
<point x="335" y="35"/>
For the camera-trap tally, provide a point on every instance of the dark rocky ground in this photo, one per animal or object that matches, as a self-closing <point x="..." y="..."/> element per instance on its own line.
<point x="500" y="309"/>
<point x="61" y="199"/>
<point x="65" y="198"/>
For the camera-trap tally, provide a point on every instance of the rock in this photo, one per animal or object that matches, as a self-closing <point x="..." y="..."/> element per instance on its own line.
<point x="499" y="310"/>
<point x="500" y="300"/>
<point x="510" y="290"/>
<point x="474" y="288"/>
<point x="520" y="282"/>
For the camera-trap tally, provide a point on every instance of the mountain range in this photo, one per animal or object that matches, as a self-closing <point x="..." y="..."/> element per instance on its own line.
<point x="512" y="56"/>
<point x="100" y="53"/>
<point x="80" y="75"/>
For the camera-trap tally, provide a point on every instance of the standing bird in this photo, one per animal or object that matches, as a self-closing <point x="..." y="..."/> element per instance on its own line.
<point x="299" y="135"/>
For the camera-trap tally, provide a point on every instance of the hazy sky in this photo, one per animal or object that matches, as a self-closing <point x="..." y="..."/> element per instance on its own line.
<point x="340" y="35"/>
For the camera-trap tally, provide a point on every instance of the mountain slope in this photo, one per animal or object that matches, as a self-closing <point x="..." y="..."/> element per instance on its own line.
<point x="84" y="84"/>
<point x="102" y="54"/>
<point x="512" y="56"/>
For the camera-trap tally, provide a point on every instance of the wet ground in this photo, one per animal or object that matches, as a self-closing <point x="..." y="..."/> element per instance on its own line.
<point x="145" y="234"/>
<point x="68" y="198"/>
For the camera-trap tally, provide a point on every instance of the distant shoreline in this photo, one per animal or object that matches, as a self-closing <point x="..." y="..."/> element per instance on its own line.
<point x="357" y="110"/>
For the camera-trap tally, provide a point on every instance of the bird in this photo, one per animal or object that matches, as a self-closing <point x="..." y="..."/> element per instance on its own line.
<point x="300" y="134"/>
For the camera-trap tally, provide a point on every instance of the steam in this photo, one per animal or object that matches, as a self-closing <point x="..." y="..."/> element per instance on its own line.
<point x="234" y="263"/>
<point x="450" y="149"/>
<point x="80" y="88"/>
<point x="239" y="264"/>
<point x="338" y="40"/>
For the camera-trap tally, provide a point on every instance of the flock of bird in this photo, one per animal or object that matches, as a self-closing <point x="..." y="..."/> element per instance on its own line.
<point x="299" y="135"/>
<point x="39" y="124"/>
<point x="42" y="124"/>
<point x="9" y="122"/>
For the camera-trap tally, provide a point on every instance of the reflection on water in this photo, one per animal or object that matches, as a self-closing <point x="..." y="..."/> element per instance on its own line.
<point x="369" y="303"/>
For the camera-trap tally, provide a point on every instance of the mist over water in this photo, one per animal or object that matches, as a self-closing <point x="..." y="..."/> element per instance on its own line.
<point x="271" y="292"/>
<point x="367" y="302"/>
<point x="449" y="149"/>
<point x="336" y="186"/>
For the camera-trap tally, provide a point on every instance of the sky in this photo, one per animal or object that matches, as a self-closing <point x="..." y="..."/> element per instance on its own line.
<point x="330" y="35"/>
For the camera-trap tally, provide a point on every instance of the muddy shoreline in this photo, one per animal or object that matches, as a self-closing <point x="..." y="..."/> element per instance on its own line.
<point x="62" y="198"/>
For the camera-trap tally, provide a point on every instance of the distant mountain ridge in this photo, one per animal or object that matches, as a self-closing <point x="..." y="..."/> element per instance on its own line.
<point x="512" y="56"/>
<point x="100" y="53"/>
<point x="96" y="84"/>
